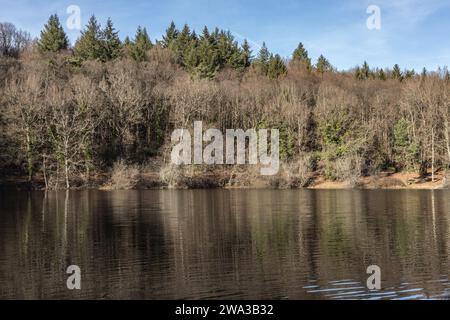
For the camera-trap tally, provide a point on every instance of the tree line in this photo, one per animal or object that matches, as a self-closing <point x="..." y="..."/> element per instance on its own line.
<point x="69" y="113"/>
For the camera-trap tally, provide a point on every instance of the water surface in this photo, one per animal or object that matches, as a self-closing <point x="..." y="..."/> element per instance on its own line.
<point x="225" y="244"/>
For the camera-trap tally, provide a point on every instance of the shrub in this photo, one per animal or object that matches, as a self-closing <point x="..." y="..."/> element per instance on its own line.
<point x="124" y="177"/>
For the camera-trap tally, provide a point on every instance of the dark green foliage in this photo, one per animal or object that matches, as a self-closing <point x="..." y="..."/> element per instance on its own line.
<point x="111" y="44"/>
<point x="276" y="67"/>
<point x="380" y="74"/>
<point x="205" y="55"/>
<point x="323" y="65"/>
<point x="141" y="44"/>
<point x="170" y="37"/>
<point x="97" y="44"/>
<point x="262" y="61"/>
<point x="301" y="54"/>
<point x="409" y="74"/>
<point x="53" y="38"/>
<point x="364" y="72"/>
<point x="424" y="73"/>
<point x="397" y="73"/>
<point x="406" y="151"/>
<point x="89" y="46"/>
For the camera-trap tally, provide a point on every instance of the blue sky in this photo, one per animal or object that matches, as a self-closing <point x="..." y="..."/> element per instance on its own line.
<point x="414" y="33"/>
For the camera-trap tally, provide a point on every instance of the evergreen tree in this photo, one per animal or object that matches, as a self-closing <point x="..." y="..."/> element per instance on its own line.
<point x="323" y="65"/>
<point x="424" y="73"/>
<point x="141" y="44"/>
<point x="89" y="45"/>
<point x="397" y="73"/>
<point x="301" y="54"/>
<point x="183" y="44"/>
<point x="381" y="75"/>
<point x="409" y="74"/>
<point x="276" y="67"/>
<point x="53" y="38"/>
<point x="227" y="49"/>
<point x="262" y="61"/>
<point x="241" y="58"/>
<point x="365" y="70"/>
<point x="170" y="37"/>
<point x="358" y="74"/>
<point x="111" y="42"/>
<point x="363" y="73"/>
<point x="203" y="58"/>
<point x="246" y="54"/>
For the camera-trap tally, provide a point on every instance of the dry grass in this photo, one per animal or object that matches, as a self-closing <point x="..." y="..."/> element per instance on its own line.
<point x="124" y="177"/>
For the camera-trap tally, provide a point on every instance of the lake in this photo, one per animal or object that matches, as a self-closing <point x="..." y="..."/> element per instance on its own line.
<point x="225" y="244"/>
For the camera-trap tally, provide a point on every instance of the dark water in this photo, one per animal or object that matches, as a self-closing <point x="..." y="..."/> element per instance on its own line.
<point x="225" y="244"/>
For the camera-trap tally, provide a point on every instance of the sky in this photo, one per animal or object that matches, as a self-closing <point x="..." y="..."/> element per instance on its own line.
<point x="413" y="33"/>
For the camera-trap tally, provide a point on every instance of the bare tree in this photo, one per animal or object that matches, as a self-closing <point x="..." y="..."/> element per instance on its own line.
<point x="24" y="96"/>
<point x="12" y="40"/>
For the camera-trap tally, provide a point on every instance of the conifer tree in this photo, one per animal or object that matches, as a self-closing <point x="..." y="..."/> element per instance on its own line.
<point x="141" y="44"/>
<point x="301" y="54"/>
<point x="89" y="45"/>
<point x="276" y="67"/>
<point x="53" y="38"/>
<point x="323" y="65"/>
<point x="365" y="71"/>
<point x="424" y="73"/>
<point x="262" y="61"/>
<point x="170" y="37"/>
<point x="111" y="42"/>
<point x="183" y="44"/>
<point x="205" y="62"/>
<point x="246" y="54"/>
<point x="397" y="73"/>
<point x="241" y="57"/>
<point x="381" y="75"/>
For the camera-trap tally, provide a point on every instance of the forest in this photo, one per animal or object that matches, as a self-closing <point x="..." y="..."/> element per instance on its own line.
<point x="100" y="113"/>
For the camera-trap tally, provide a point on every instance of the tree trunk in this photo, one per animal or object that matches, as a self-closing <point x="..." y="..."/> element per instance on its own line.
<point x="432" y="154"/>
<point x="29" y="158"/>
<point x="44" y="171"/>
<point x="447" y="139"/>
<point x="66" y="163"/>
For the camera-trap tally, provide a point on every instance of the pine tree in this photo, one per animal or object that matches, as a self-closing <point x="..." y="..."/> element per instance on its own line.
<point x="276" y="67"/>
<point x="381" y="75"/>
<point x="89" y="45"/>
<point x="323" y="65"/>
<point x="141" y="44"/>
<point x="397" y="73"/>
<point x="301" y="54"/>
<point x="183" y="44"/>
<point x="246" y="54"/>
<point x="365" y="71"/>
<point x="358" y="73"/>
<point x="424" y="73"/>
<point x="191" y="61"/>
<point x="409" y="74"/>
<point x="170" y="37"/>
<point x="262" y="61"/>
<point x="203" y="58"/>
<point x="53" y="38"/>
<point x="227" y="48"/>
<point x="111" y="42"/>
<point x="243" y="57"/>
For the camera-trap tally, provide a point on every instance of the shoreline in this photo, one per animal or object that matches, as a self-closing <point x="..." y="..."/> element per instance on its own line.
<point x="384" y="181"/>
